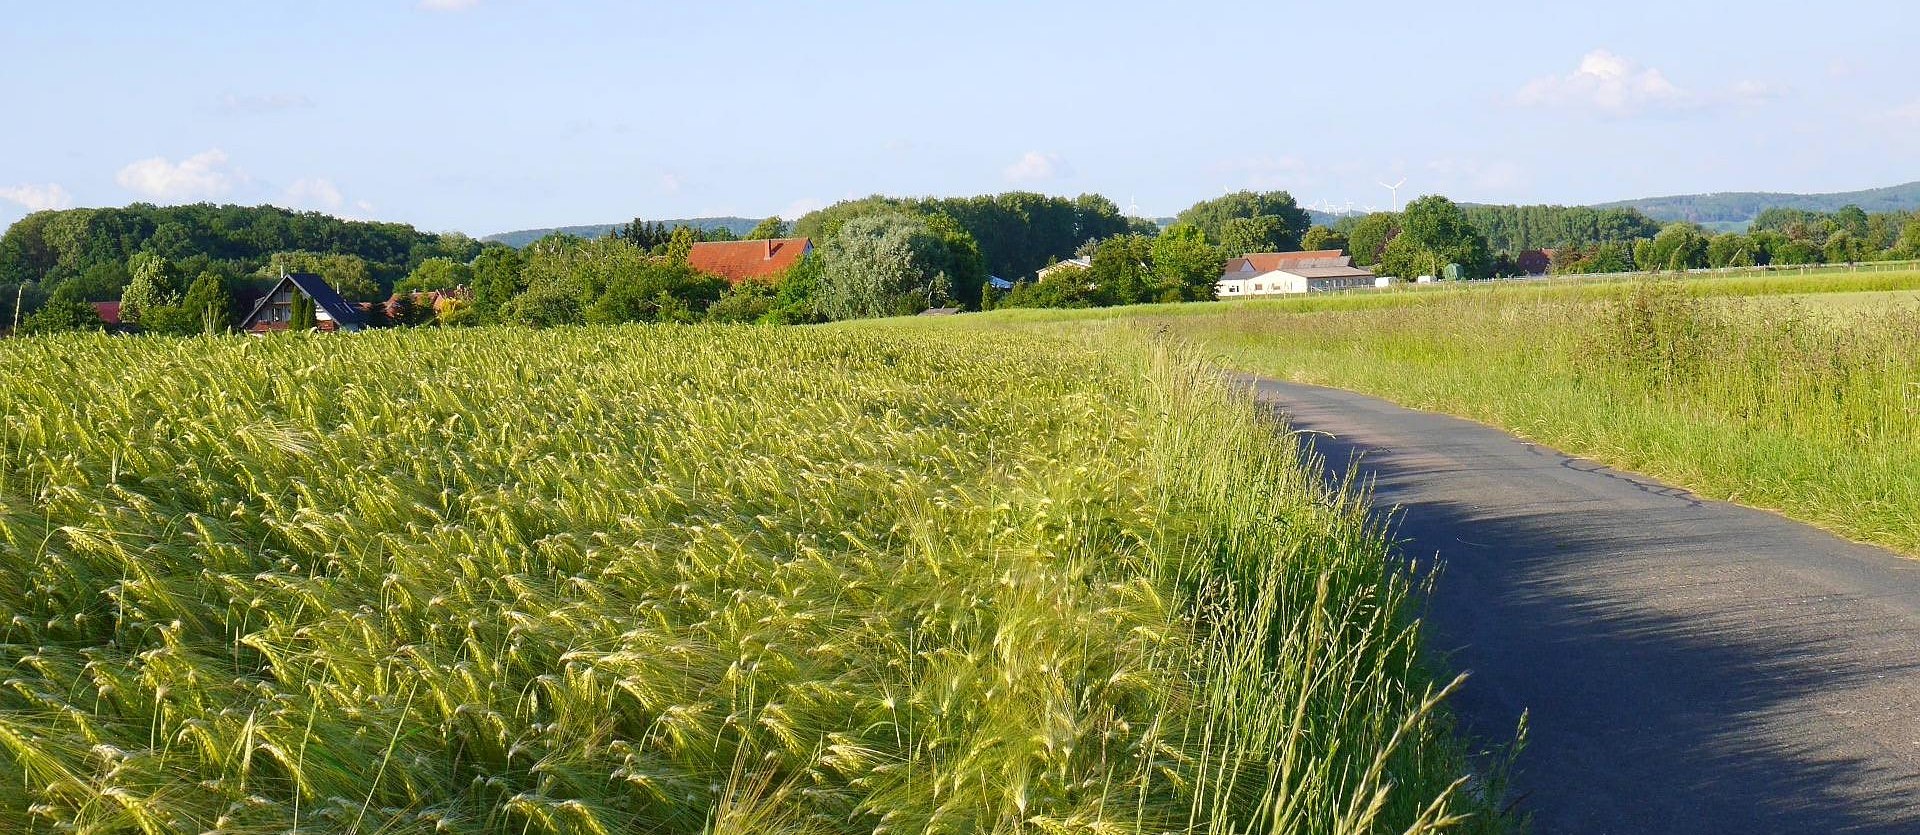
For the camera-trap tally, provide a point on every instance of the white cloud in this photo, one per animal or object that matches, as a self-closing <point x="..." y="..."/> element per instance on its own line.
<point x="1750" y="91"/>
<point x="235" y="103"/>
<point x="35" y="198"/>
<point x="199" y="177"/>
<point x="1608" y="83"/>
<point x="448" y="5"/>
<point x="1034" y="166"/>
<point x="670" y="183"/>
<point x="314" y="193"/>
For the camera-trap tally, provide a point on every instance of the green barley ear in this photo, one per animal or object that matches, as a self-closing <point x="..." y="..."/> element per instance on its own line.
<point x="893" y="577"/>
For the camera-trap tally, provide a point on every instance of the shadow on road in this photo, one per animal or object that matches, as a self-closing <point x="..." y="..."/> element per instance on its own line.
<point x="1668" y="688"/>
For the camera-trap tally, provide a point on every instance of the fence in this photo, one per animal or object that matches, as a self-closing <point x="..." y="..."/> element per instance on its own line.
<point x="1586" y="278"/>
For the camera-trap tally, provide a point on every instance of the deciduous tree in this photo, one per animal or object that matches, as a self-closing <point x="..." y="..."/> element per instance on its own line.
<point x="152" y="286"/>
<point x="1280" y="235"/>
<point x="770" y="228"/>
<point x="1322" y="237"/>
<point x="435" y="274"/>
<point x="1185" y="266"/>
<point x="882" y="265"/>
<point x="1368" y="240"/>
<point x="1435" y="233"/>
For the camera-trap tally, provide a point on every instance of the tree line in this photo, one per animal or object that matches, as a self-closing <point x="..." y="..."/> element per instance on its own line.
<point x="1516" y="229"/>
<point x="82" y="255"/>
<point x="1777" y="237"/>
<point x="186" y="269"/>
<point x="1017" y="232"/>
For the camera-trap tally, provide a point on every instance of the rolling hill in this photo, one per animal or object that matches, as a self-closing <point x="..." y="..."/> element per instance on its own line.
<point x="1740" y="207"/>
<point x="1727" y="210"/>
<point x="520" y="238"/>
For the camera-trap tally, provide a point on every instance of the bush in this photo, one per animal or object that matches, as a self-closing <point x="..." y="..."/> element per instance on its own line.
<point x="545" y="307"/>
<point x="746" y="302"/>
<point x="60" y="316"/>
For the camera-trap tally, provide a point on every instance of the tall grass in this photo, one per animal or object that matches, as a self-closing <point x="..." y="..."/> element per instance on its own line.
<point x="1775" y="403"/>
<point x="689" y="580"/>
<point x="1570" y="289"/>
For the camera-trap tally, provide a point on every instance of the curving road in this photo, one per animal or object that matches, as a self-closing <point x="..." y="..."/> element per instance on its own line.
<point x="1689" y="666"/>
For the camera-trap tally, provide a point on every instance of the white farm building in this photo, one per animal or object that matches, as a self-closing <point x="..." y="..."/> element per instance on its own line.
<point x="1279" y="273"/>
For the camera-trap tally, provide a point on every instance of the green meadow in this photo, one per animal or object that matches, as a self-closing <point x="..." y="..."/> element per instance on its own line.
<point x="1794" y="393"/>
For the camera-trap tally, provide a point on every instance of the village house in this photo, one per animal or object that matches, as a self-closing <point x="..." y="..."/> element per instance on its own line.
<point x="421" y="304"/>
<point x="760" y="261"/>
<point x="1535" y="261"/>
<point x="1278" y="273"/>
<point x="274" y="311"/>
<point x="1082" y="263"/>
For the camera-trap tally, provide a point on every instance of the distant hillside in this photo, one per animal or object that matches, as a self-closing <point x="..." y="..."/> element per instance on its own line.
<point x="738" y="225"/>
<point x="1740" y="207"/>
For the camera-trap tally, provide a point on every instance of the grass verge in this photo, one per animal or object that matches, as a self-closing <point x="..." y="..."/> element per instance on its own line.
<point x="1788" y="404"/>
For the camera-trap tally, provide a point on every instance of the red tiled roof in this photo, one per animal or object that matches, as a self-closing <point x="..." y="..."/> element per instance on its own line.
<point x="738" y="261"/>
<point x="109" y="312"/>
<point x="1266" y="262"/>
<point x="1535" y="260"/>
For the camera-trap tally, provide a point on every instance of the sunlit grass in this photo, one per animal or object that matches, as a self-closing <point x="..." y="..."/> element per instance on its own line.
<point x="727" y="580"/>
<point x="1554" y="289"/>
<point x="1746" y="389"/>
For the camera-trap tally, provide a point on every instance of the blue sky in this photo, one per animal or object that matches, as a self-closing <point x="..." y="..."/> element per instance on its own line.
<point x="489" y="115"/>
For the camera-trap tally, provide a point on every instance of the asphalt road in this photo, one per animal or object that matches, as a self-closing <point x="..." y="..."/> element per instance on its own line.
<point x="1689" y="666"/>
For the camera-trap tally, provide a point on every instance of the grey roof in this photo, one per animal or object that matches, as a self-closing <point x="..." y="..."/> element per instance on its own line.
<point x="1330" y="272"/>
<point x="324" y="295"/>
<point x="315" y="288"/>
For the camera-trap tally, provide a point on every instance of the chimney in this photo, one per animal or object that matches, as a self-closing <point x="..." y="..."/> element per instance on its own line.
<point x="769" y="249"/>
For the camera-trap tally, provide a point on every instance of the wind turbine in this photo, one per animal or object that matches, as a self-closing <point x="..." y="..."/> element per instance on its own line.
<point x="1349" y="211"/>
<point x="1395" y="188"/>
<point x="1133" y="209"/>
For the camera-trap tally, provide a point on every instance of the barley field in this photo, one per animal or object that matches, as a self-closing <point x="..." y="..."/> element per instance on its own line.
<point x="691" y="580"/>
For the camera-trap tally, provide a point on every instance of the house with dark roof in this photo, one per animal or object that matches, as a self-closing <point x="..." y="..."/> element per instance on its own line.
<point x="1276" y="273"/>
<point x="274" y="311"/>
<point x="737" y="261"/>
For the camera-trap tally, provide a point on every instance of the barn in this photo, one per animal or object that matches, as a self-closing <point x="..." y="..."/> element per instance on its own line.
<point x="1278" y="273"/>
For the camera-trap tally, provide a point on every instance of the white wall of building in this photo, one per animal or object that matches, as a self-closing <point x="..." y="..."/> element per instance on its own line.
<point x="1281" y="283"/>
